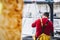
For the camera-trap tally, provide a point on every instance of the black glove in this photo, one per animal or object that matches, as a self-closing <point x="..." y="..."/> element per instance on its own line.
<point x="52" y="35"/>
<point x="35" y="38"/>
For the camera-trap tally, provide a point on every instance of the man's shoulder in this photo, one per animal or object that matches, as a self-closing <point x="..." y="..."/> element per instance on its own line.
<point x="50" y="22"/>
<point x="38" y="20"/>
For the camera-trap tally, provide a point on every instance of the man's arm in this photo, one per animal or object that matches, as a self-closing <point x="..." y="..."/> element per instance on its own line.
<point x="34" y="24"/>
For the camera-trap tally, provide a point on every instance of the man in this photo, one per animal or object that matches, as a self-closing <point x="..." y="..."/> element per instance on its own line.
<point x="44" y="27"/>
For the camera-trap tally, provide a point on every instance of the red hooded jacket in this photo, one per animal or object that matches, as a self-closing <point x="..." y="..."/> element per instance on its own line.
<point x="48" y="28"/>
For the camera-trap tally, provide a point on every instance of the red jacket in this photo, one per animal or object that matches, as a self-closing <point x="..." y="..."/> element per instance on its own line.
<point x="48" y="28"/>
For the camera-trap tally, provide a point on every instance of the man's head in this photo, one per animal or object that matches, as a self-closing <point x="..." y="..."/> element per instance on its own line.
<point x="46" y="14"/>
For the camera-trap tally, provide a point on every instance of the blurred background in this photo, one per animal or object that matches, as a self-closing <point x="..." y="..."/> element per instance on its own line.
<point x="33" y="9"/>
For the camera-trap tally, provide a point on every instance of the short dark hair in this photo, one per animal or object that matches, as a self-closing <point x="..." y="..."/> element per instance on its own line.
<point x="46" y="14"/>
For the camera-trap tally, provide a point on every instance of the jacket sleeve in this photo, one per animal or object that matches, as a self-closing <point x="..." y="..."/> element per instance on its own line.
<point x="34" y="24"/>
